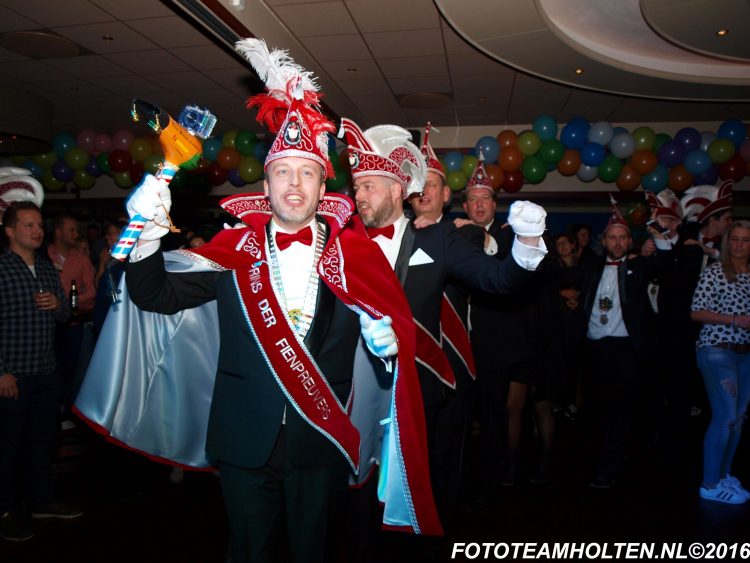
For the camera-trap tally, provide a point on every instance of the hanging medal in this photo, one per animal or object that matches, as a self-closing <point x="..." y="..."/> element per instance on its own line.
<point x="605" y="305"/>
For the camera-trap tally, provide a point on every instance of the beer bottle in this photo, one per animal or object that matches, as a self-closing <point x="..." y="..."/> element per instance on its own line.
<point x="73" y="296"/>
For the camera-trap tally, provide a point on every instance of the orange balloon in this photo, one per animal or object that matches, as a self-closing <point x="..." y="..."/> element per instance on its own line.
<point x="628" y="179"/>
<point x="643" y="161"/>
<point x="510" y="159"/>
<point x="680" y="179"/>
<point x="569" y="163"/>
<point x="496" y="175"/>
<point x="507" y="138"/>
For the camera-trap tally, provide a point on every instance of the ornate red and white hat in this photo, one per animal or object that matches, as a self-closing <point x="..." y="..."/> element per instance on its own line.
<point x="665" y="204"/>
<point x="17" y="184"/>
<point x="700" y="202"/>
<point x="385" y="150"/>
<point x="290" y="107"/>
<point x="616" y="219"/>
<point x="479" y="178"/>
<point x="433" y="164"/>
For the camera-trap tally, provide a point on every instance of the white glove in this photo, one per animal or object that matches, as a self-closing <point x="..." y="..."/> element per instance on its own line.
<point x="152" y="200"/>
<point x="378" y="335"/>
<point x="527" y="219"/>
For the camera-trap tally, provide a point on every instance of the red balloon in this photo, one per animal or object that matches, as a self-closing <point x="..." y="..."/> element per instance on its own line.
<point x="228" y="158"/>
<point x="513" y="181"/>
<point x="680" y="179"/>
<point x="628" y="179"/>
<point x="643" y="161"/>
<point x="569" y="163"/>
<point x="136" y="172"/>
<point x="733" y="169"/>
<point x="120" y="160"/>
<point x="510" y="159"/>
<point x="496" y="175"/>
<point x="507" y="138"/>
<point x="216" y="174"/>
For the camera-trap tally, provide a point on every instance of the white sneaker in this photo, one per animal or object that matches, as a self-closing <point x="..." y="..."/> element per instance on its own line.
<point x="721" y="493"/>
<point x="734" y="484"/>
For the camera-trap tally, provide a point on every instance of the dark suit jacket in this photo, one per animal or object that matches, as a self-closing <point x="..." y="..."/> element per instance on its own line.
<point x="248" y="405"/>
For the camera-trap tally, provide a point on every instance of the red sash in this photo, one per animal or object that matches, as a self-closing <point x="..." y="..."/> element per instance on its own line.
<point x="454" y="331"/>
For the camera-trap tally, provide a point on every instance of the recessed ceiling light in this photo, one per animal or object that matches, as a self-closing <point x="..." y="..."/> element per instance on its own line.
<point x="579" y="70"/>
<point x="722" y="32"/>
<point x="482" y="98"/>
<point x="107" y="38"/>
<point x="39" y="44"/>
<point x="351" y="69"/>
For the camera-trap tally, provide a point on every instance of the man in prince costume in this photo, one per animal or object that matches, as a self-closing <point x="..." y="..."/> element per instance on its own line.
<point x="287" y="287"/>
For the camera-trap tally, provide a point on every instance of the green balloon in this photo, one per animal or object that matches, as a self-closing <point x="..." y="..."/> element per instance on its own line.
<point x="83" y="180"/>
<point x="529" y="143"/>
<point x="51" y="183"/>
<point x="227" y="140"/>
<point x="122" y="179"/>
<point x="245" y="142"/>
<point x="609" y="169"/>
<point x="468" y="165"/>
<point x="339" y="181"/>
<point x="152" y="163"/>
<point x="721" y="150"/>
<point x="551" y="151"/>
<point x="534" y="169"/>
<point x="18" y="159"/>
<point x="661" y="138"/>
<point x="644" y="138"/>
<point x="45" y="160"/>
<point x="103" y="162"/>
<point x="250" y="169"/>
<point x="457" y="180"/>
<point x="76" y="158"/>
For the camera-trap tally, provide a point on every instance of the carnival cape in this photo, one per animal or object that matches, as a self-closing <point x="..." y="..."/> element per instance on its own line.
<point x="150" y="380"/>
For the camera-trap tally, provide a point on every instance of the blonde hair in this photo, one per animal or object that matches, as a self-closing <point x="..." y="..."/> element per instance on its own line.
<point x="726" y="262"/>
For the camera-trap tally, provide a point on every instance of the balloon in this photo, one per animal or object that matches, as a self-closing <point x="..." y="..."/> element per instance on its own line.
<point x="250" y="169"/>
<point x="707" y="137"/>
<point x="344" y="164"/>
<point x="211" y="148"/>
<point x="92" y="168"/>
<point x="77" y="158"/>
<point x="511" y="159"/>
<point x="152" y="163"/>
<point x="102" y="161"/>
<point x="338" y="182"/>
<point x="36" y="170"/>
<point x="656" y="180"/>
<point x="136" y="172"/>
<point x="622" y="145"/>
<point x="216" y="174"/>
<point x="156" y="147"/>
<point x="228" y="138"/>
<point x="544" y="126"/>
<point x="745" y="150"/>
<point x="732" y="169"/>
<point x="592" y="154"/>
<point x="689" y="138"/>
<point x="610" y="168"/>
<point x="261" y="151"/>
<point x="709" y="177"/>
<point x="83" y="180"/>
<point x="140" y="149"/>
<point x="120" y="160"/>
<point x="228" y="158"/>
<point x="697" y="162"/>
<point x="199" y="167"/>
<point x="62" y="171"/>
<point x="644" y="138"/>
<point x="529" y="143"/>
<point x="732" y="130"/>
<point x="468" y="165"/>
<point x="569" y="163"/>
<point x="51" y="183"/>
<point x="551" y="151"/>
<point x="679" y="179"/>
<point x="586" y="173"/>
<point x="102" y="143"/>
<point x="123" y="180"/>
<point x="45" y="160"/>
<point x="661" y="138"/>
<point x="234" y="176"/>
<point x="534" y="169"/>
<point x="721" y="150"/>
<point x="496" y="175"/>
<point x="457" y="180"/>
<point x="62" y="143"/>
<point x="331" y="142"/>
<point x="574" y="134"/>
<point x="671" y="153"/>
<point x="513" y="181"/>
<point x="122" y="140"/>
<point x="628" y="179"/>
<point x="244" y="142"/>
<point x="85" y="140"/>
<point x="601" y="132"/>
<point x="643" y="161"/>
<point x="508" y="138"/>
<point x="489" y="147"/>
<point x="454" y="160"/>
<point x="619" y="131"/>
<point x="638" y="214"/>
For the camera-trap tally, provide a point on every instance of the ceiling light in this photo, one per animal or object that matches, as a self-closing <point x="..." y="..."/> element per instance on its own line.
<point x="39" y="44"/>
<point x="482" y="98"/>
<point x="107" y="38"/>
<point x="351" y="69"/>
<point x="722" y="32"/>
<point x="579" y="70"/>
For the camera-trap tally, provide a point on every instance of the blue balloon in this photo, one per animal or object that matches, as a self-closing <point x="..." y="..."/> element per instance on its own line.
<point x="671" y="153"/>
<point x="689" y="137"/>
<point x="331" y="143"/>
<point x="586" y="173"/>
<point x="734" y="130"/>
<point x="235" y="179"/>
<point x="62" y="171"/>
<point x="36" y="170"/>
<point x="707" y="137"/>
<point x="656" y="180"/>
<point x="260" y="150"/>
<point x="545" y="127"/>
<point x="600" y="132"/>
<point x="709" y="177"/>
<point x="619" y="131"/>
<point x="62" y="143"/>
<point x="575" y="133"/>
<point x="697" y="162"/>
<point x="93" y="167"/>
<point x="489" y="147"/>
<point x="453" y="160"/>
<point x="592" y="154"/>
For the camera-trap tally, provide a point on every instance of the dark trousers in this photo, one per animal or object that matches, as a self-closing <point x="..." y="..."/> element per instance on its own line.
<point x="610" y="395"/>
<point x="27" y="441"/>
<point x="280" y="506"/>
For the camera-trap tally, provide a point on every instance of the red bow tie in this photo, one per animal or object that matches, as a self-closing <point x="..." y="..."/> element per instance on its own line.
<point x="283" y="240"/>
<point x="610" y="263"/>
<point x="387" y="232"/>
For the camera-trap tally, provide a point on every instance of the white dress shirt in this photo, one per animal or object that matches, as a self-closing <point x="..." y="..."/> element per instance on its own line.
<point x="295" y="263"/>
<point x="391" y="246"/>
<point x="608" y="287"/>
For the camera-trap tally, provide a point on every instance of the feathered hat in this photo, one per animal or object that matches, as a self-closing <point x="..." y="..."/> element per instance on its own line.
<point x="616" y="219"/>
<point x="665" y="204"/>
<point x="17" y="184"/>
<point x="700" y="202"/>
<point x="433" y="164"/>
<point x="290" y="107"/>
<point x="479" y="178"/>
<point x="385" y="150"/>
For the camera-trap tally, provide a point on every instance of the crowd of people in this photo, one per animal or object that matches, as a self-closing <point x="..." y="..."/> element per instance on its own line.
<point x="444" y="325"/>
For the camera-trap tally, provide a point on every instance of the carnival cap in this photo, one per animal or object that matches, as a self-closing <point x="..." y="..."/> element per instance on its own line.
<point x="479" y="178"/>
<point x="433" y="164"/>
<point x="700" y="202"/>
<point x="17" y="184"/>
<point x="616" y="219"/>
<point x="665" y="204"/>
